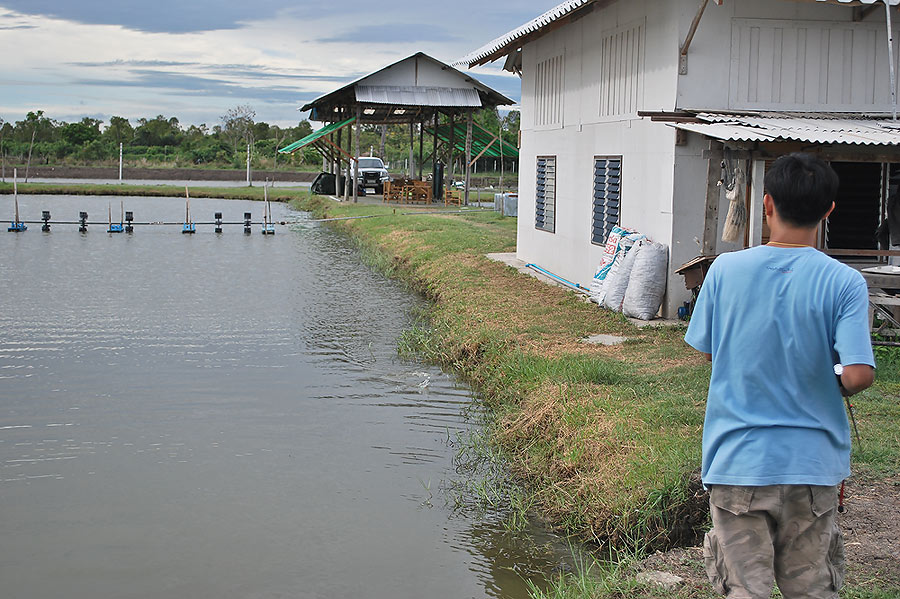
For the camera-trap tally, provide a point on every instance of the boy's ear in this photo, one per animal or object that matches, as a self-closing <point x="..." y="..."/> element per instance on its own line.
<point x="768" y="205"/>
<point x="830" y="210"/>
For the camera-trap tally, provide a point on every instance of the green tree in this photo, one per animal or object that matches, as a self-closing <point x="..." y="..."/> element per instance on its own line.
<point x="119" y="131"/>
<point x="159" y="131"/>
<point x="81" y="133"/>
<point x="237" y="126"/>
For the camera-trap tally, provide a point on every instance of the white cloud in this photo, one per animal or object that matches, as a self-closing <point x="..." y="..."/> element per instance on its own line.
<point x="70" y="68"/>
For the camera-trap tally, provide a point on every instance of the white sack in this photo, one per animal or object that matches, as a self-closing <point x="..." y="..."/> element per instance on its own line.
<point x="647" y="283"/>
<point x="616" y="282"/>
<point x="617" y="246"/>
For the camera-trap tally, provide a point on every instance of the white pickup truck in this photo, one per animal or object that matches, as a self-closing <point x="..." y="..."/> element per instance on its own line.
<point x="372" y="173"/>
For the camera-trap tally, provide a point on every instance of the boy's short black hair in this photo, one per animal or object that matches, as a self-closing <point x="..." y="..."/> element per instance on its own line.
<point x="802" y="187"/>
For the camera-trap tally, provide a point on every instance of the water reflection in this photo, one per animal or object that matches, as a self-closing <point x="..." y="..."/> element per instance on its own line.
<point x="226" y="416"/>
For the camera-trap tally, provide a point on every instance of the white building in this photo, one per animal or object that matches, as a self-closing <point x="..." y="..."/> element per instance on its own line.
<point x="628" y="109"/>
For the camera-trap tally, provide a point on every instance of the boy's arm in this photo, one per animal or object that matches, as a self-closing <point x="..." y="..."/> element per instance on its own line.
<point x="856" y="377"/>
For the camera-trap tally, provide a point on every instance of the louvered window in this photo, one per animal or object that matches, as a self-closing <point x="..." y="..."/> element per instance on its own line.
<point x="545" y="194"/>
<point x="607" y="188"/>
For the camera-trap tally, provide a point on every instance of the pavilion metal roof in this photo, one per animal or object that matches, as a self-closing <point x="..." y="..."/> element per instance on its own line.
<point x="767" y="128"/>
<point x="405" y="101"/>
<point x="557" y="16"/>
<point x="410" y="95"/>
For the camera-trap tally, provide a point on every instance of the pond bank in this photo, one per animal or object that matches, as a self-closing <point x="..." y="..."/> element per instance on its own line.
<point x="163" y="174"/>
<point x="607" y="438"/>
<point x="277" y="194"/>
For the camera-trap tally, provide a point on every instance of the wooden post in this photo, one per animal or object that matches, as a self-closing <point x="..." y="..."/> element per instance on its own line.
<point x="358" y="125"/>
<point x="757" y="174"/>
<point x="452" y="137"/>
<point x="713" y="193"/>
<point x="347" y="173"/>
<point x="468" y="153"/>
<point x="421" y="148"/>
<point x="434" y="141"/>
<point x="412" y="158"/>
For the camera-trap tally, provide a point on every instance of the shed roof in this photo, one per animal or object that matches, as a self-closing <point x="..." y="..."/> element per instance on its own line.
<point x="399" y="92"/>
<point x="561" y="14"/>
<point x="732" y="127"/>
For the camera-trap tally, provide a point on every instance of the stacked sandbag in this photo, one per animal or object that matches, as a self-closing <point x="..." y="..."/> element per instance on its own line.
<point x="647" y="280"/>
<point x="616" y="283"/>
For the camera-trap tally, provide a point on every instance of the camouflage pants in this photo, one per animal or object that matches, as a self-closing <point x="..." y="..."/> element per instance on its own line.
<point x="783" y="533"/>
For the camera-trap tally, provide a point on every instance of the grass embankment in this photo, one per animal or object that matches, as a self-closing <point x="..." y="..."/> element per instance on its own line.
<point x="607" y="439"/>
<point x="276" y="194"/>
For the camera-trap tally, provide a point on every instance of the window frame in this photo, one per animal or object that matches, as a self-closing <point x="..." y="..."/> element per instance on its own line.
<point x="604" y="199"/>
<point x="540" y="201"/>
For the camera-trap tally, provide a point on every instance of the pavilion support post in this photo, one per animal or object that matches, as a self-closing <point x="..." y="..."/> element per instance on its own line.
<point x="332" y="164"/>
<point x="412" y="156"/>
<point x="434" y="140"/>
<point x="358" y="127"/>
<point x="713" y="193"/>
<point x="757" y="175"/>
<point x="421" y="149"/>
<point x="339" y="163"/>
<point x="450" y="151"/>
<point x="347" y="181"/>
<point x="468" y="153"/>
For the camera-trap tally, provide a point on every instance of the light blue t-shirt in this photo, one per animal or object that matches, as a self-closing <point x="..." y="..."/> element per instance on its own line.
<point x="776" y="320"/>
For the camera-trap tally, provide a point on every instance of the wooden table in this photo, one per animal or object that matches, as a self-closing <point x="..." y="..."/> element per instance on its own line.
<point x="887" y="306"/>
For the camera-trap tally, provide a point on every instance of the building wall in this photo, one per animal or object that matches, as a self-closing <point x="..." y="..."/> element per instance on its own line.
<point x="609" y="65"/>
<point x="780" y="55"/>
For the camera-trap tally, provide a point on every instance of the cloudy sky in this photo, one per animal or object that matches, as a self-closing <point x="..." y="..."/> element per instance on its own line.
<point x="195" y="59"/>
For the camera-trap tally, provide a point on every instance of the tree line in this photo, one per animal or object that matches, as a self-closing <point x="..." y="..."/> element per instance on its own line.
<point x="164" y="142"/>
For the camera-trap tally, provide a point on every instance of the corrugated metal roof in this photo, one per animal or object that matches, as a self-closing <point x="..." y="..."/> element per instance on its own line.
<point x="417" y="95"/>
<point x="556" y="13"/>
<point x="315" y="136"/>
<point x="533" y="25"/>
<point x="867" y="132"/>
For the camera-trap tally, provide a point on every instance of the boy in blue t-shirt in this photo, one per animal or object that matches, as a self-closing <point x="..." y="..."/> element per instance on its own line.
<point x="774" y="320"/>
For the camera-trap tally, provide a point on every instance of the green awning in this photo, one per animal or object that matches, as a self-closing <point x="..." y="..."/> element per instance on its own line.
<point x="315" y="136"/>
<point x="484" y="143"/>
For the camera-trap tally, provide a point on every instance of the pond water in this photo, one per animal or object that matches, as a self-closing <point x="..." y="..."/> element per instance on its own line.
<point x="226" y="416"/>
